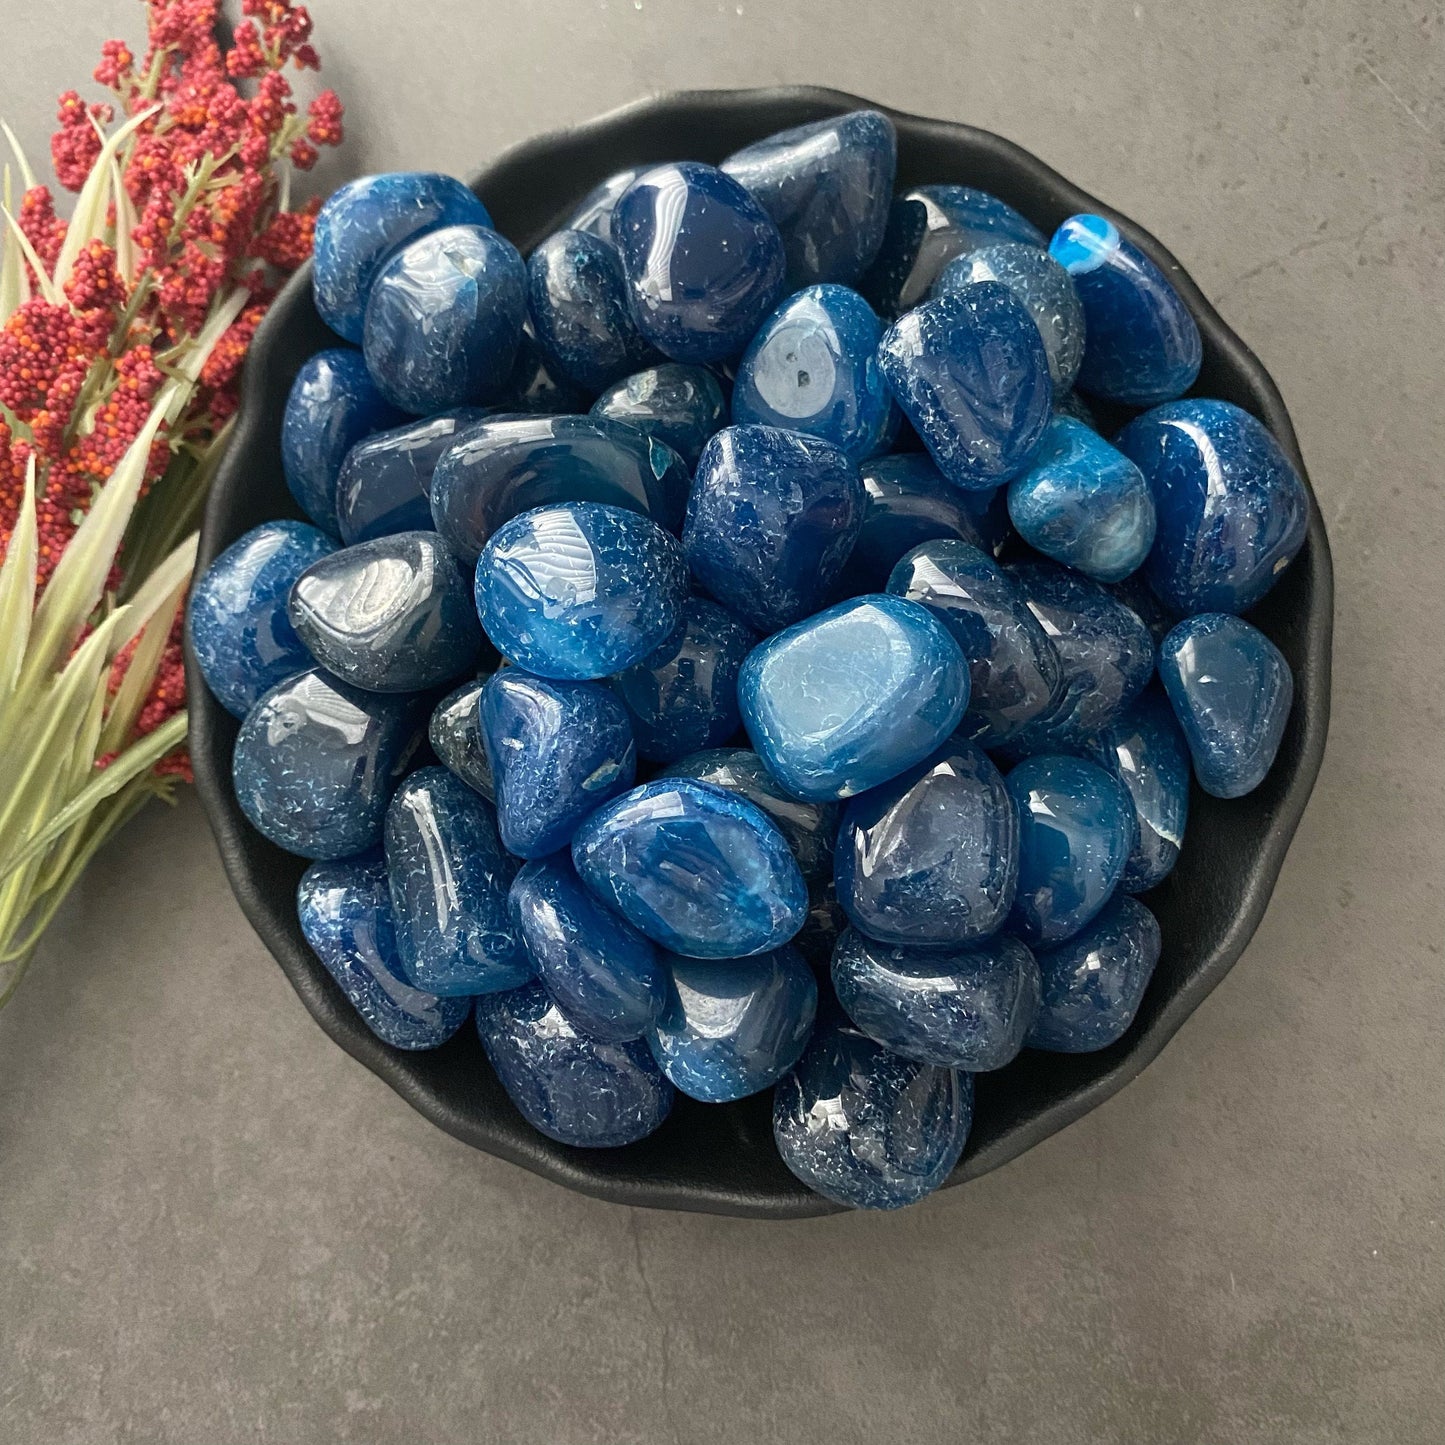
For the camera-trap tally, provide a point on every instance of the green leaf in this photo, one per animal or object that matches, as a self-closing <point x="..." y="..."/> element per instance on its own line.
<point x="17" y="588"/>
<point x="48" y="289"/>
<point x="14" y="275"/>
<point x="26" y="174"/>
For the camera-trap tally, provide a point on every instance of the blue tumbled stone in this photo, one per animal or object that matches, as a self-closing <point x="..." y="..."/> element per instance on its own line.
<point x="455" y="734"/>
<point x="1231" y="690"/>
<point x="681" y="406"/>
<point x="594" y="210"/>
<point x="699" y="870"/>
<point x="1137" y="595"/>
<point x="534" y="387"/>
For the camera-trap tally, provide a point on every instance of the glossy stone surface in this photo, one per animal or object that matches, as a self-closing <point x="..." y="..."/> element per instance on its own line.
<point x="392" y="615"/>
<point x="1141" y="345"/>
<point x="1231" y="690"/>
<point x="332" y="405"/>
<point x="316" y="761"/>
<point x="697" y="869"/>
<point x="770" y="522"/>
<point x="449" y="880"/>
<point x="826" y="186"/>
<point x="363" y="221"/>
<point x="345" y="912"/>
<point x="571" y="1087"/>
<point x="685" y="695"/>
<point x="1077" y="831"/>
<point x="965" y="1009"/>
<point x="1083" y="503"/>
<point x="1092" y="984"/>
<point x="602" y="973"/>
<point x="557" y="750"/>
<point x="580" y="590"/>
<point x="508" y="465"/>
<point x="851" y="697"/>
<point x="970" y="373"/>
<point x="681" y="406"/>
<point x="534" y="387"/>
<point x="703" y="261"/>
<point x="812" y="367"/>
<point x="444" y="319"/>
<point x="866" y="1128"/>
<point x="731" y="1027"/>
<point x="455" y="734"/>
<point x="243" y="639"/>
<point x="931" y="859"/>
<point x="1232" y="509"/>
<point x="1014" y="670"/>
<point x="594" y="211"/>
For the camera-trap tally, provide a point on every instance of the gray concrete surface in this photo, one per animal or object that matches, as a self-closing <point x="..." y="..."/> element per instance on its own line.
<point x="215" y="1227"/>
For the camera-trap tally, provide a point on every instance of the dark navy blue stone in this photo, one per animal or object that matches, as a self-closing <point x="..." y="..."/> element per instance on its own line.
<point x="333" y="404"/>
<point x="594" y="211"/>
<point x="770" y="522"/>
<point x="1141" y="599"/>
<point x="1077" y="832"/>
<point x="243" y="639"/>
<point x="681" y="406"/>
<point x="455" y="734"/>
<point x="364" y="221"/>
<point x="316" y="761"/>
<point x="685" y="696"/>
<point x="931" y="859"/>
<point x="345" y="913"/>
<point x="970" y="373"/>
<point x="969" y="1008"/>
<point x="602" y="973"/>
<point x="1092" y="985"/>
<point x="731" y="1027"/>
<point x="697" y="869"/>
<point x="573" y="1088"/>
<point x="852" y="697"/>
<point x="1232" y="509"/>
<point x="826" y="186"/>
<point x="824" y="926"/>
<point x="580" y="591"/>
<point x="534" y="387"/>
<point x="449" y="880"/>
<point x="1013" y="667"/>
<point x="557" y="750"/>
<point x="1070" y="403"/>
<point x="1231" y="690"/>
<point x="703" y="261"/>
<point x="444" y="320"/>
<point x="1141" y="345"/>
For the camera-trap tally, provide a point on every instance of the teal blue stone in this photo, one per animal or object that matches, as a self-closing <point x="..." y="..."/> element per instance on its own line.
<point x="455" y="734"/>
<point x="680" y="406"/>
<point x="594" y="210"/>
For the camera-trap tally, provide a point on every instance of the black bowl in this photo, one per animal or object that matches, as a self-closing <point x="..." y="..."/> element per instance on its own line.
<point x="721" y="1159"/>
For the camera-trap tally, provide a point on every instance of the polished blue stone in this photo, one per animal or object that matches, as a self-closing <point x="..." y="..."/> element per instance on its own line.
<point x="703" y="261"/>
<point x="1141" y="599"/>
<point x="557" y="750"/>
<point x="455" y="734"/>
<point x="685" y="695"/>
<point x="1014" y="670"/>
<point x="603" y="974"/>
<point x="866" y="1128"/>
<point x="813" y="368"/>
<point x="534" y="387"/>
<point x="445" y="318"/>
<point x="449" y="880"/>
<point x="391" y="615"/>
<point x="968" y="1008"/>
<point x="1083" y="503"/>
<point x="594" y="210"/>
<point x="826" y="186"/>
<point x="699" y="870"/>
<point x="316" y="761"/>
<point x="567" y="1085"/>
<point x="970" y="373"/>
<point x="1141" y="345"/>
<point x="332" y="405"/>
<point x="1232" y="509"/>
<point x="345" y="913"/>
<point x="1231" y="690"/>
<point x="580" y="590"/>
<point x="846" y="700"/>
<point x="510" y="464"/>
<point x="242" y="638"/>
<point x="931" y="859"/>
<point x="1092" y="984"/>
<point x="364" y="221"/>
<point x="733" y="1026"/>
<point x="681" y="406"/>
<point x="1077" y="832"/>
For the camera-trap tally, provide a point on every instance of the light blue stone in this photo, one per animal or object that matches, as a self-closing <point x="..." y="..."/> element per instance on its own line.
<point x="455" y="734"/>
<point x="594" y="210"/>
<point x="681" y="406"/>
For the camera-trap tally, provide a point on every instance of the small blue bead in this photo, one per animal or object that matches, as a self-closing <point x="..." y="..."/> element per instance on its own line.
<point x="681" y="406"/>
<point x="1141" y="345"/>
<point x="594" y="211"/>
<point x="731" y="1027"/>
<point x="455" y="734"/>
<point x="1231" y="690"/>
<point x="534" y="387"/>
<point x="240" y="633"/>
<point x="697" y="869"/>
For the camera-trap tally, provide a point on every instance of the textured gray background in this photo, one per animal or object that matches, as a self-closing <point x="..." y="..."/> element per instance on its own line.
<point x="215" y="1227"/>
